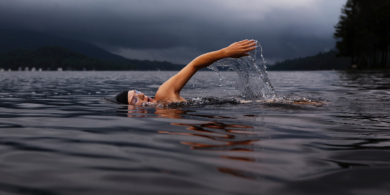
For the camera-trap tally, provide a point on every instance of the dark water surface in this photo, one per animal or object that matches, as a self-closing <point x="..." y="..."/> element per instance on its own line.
<point x="59" y="136"/>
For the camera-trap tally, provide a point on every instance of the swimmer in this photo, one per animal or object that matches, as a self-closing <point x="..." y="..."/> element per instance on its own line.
<point x="170" y="90"/>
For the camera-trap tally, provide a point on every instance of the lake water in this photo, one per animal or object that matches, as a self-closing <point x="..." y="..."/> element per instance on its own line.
<point x="58" y="135"/>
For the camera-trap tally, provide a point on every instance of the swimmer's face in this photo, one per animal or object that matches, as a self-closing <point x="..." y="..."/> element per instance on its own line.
<point x="136" y="98"/>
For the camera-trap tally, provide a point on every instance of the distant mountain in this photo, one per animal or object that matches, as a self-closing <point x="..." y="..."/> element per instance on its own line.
<point x="321" y="61"/>
<point x="21" y="39"/>
<point x="21" y="42"/>
<point x="54" y="57"/>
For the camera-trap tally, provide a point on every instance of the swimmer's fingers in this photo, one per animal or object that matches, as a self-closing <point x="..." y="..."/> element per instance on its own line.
<point x="249" y="45"/>
<point x="240" y="49"/>
<point x="249" y="48"/>
<point x="244" y="41"/>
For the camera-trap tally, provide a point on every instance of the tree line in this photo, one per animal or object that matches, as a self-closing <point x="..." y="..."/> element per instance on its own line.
<point x="321" y="61"/>
<point x="363" y="33"/>
<point x="54" y="57"/>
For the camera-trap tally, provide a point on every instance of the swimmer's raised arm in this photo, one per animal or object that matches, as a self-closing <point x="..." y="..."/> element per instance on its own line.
<point x="170" y="90"/>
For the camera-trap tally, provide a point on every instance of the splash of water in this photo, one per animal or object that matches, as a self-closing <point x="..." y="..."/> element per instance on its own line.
<point x="252" y="79"/>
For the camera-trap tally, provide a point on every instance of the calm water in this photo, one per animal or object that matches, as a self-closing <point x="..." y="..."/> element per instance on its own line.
<point x="59" y="136"/>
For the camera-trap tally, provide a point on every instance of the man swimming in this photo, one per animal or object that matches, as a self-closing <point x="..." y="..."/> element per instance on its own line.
<point x="170" y="90"/>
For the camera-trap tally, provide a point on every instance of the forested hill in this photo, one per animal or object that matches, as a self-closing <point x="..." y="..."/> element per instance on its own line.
<point x="321" y="61"/>
<point x="54" y="57"/>
<point x="22" y="39"/>
<point x="21" y="48"/>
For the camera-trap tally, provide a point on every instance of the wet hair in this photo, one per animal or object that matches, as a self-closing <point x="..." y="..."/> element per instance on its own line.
<point x="122" y="97"/>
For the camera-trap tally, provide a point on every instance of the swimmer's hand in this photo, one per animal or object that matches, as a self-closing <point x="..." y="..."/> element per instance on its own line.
<point x="239" y="49"/>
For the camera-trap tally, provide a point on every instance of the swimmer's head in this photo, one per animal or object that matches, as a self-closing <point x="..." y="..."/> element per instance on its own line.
<point x="122" y="97"/>
<point x="133" y="97"/>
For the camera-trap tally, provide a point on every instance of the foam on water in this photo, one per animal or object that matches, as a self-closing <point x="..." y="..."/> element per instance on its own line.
<point x="252" y="80"/>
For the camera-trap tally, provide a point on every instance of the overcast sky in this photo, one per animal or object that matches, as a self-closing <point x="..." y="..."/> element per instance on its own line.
<point x="179" y="30"/>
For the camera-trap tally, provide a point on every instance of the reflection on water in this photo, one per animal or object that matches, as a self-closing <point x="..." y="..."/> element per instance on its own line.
<point x="228" y="138"/>
<point x="223" y="137"/>
<point x="59" y="136"/>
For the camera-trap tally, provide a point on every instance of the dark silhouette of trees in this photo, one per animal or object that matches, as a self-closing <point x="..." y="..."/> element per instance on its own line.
<point x="53" y="57"/>
<point x="321" y="61"/>
<point x="363" y="32"/>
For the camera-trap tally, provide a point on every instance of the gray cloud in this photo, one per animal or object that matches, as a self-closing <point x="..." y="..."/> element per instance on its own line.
<point x="179" y="30"/>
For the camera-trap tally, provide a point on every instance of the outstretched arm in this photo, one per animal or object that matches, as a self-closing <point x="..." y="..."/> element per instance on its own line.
<point x="170" y="90"/>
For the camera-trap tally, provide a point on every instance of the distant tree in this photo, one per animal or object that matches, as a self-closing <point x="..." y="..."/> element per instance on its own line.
<point x="349" y="32"/>
<point x="363" y="32"/>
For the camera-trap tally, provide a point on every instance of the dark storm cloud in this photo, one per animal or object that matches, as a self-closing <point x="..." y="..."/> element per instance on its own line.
<point x="178" y="30"/>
